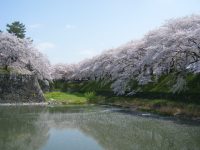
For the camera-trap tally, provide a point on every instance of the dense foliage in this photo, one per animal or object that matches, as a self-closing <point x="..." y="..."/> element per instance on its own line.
<point x="172" y="49"/>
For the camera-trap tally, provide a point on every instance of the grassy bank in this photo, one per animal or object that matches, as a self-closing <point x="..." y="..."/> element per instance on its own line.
<point x="160" y="106"/>
<point x="65" y="98"/>
<point x="154" y="97"/>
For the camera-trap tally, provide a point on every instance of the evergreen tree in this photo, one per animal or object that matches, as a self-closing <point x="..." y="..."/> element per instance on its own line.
<point x="17" y="28"/>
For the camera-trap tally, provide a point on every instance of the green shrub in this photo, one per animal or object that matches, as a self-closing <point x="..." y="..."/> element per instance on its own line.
<point x="90" y="95"/>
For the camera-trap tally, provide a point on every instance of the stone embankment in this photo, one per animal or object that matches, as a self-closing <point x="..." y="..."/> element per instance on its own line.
<point x="20" y="88"/>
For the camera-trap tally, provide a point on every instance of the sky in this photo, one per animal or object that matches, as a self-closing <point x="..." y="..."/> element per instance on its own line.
<point x="68" y="31"/>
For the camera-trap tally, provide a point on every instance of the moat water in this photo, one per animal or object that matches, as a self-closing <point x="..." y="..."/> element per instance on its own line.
<point x="93" y="128"/>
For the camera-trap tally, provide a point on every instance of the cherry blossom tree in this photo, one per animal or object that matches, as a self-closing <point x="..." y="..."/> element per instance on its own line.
<point x="172" y="48"/>
<point x="19" y="55"/>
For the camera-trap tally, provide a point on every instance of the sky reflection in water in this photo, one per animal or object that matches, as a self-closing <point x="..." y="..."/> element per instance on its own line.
<point x="91" y="127"/>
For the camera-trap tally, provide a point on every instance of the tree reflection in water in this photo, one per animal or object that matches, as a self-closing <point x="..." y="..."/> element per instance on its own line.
<point x="19" y="129"/>
<point x="29" y="129"/>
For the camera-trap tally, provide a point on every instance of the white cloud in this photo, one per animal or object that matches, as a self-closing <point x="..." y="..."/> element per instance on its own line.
<point x="44" y="46"/>
<point x="68" y="26"/>
<point x="35" y="26"/>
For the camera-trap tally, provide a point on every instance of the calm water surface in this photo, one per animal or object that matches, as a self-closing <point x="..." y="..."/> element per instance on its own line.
<point x="92" y="128"/>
